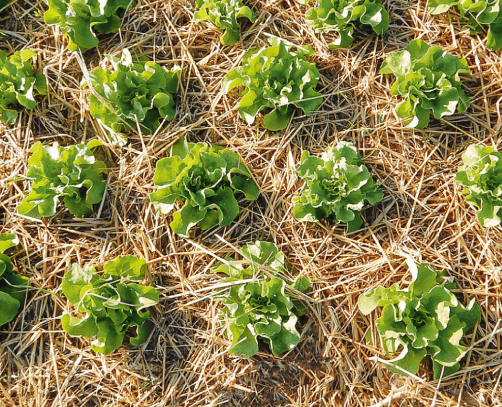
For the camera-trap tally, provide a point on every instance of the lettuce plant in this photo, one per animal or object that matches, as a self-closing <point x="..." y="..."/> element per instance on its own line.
<point x="12" y="285"/>
<point x="479" y="13"/>
<point x="336" y="187"/>
<point x="343" y="16"/>
<point x="205" y="179"/>
<point x="79" y="18"/>
<point x="18" y="84"/>
<point x="258" y="304"/>
<point x="136" y="95"/>
<point x="112" y="303"/>
<point x="481" y="177"/>
<point x="424" y="319"/>
<point x="224" y="14"/>
<point x="429" y="79"/>
<point x="275" y="78"/>
<point x="71" y="174"/>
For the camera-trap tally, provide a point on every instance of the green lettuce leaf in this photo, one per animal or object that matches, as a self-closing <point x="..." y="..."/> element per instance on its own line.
<point x="18" y="84"/>
<point x="69" y="174"/>
<point x="12" y="286"/>
<point x="275" y="78"/>
<point x="481" y="176"/>
<point x="336" y="187"/>
<point x="112" y="303"/>
<point x="224" y="14"/>
<point x="342" y="16"/>
<point x="424" y="319"/>
<point x="79" y="18"/>
<point x="428" y="79"/>
<point x="262" y="308"/>
<point x="205" y="178"/>
<point x="477" y="14"/>
<point x="136" y="95"/>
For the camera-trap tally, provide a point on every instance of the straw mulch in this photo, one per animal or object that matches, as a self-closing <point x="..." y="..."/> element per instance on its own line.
<point x="184" y="362"/>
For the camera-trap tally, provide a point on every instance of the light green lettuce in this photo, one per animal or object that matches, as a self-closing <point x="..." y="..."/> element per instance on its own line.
<point x="224" y="14"/>
<point x="112" y="303"/>
<point x="18" y="84"/>
<point x="479" y="13"/>
<point x="275" y="78"/>
<point x="342" y="16"/>
<point x="137" y="94"/>
<point x="424" y="319"/>
<point x="69" y="174"/>
<point x="79" y="19"/>
<point x="336" y="187"/>
<point x="260" y="307"/>
<point x="428" y="78"/>
<point x="481" y="176"/>
<point x="205" y="178"/>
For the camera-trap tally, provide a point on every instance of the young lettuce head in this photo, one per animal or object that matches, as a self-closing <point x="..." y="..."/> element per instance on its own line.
<point x="428" y="78"/>
<point x="275" y="78"/>
<point x="79" y="18"/>
<point x="205" y="178"/>
<point x="342" y="16"/>
<point x="70" y="174"/>
<point x="18" y="84"/>
<point x="336" y="187"/>
<point x="136" y="96"/>
<point x="259" y="304"/>
<point x="224" y="14"/>
<point x="481" y="176"/>
<point x="424" y="319"/>
<point x="112" y="303"/>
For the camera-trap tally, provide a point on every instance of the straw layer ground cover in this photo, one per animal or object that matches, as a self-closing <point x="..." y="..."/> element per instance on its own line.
<point x="184" y="362"/>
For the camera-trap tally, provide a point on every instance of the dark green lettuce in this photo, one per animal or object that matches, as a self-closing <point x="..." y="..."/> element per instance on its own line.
<point x="69" y="174"/>
<point x="429" y="79"/>
<point x="224" y="14"/>
<point x="18" y="84"/>
<point x="424" y="319"/>
<point x="205" y="178"/>
<point x="275" y="78"/>
<point x="343" y="16"/>
<point x="336" y="187"/>
<point x="261" y="305"/>
<point x="481" y="176"/>
<point x="137" y="95"/>
<point x="12" y="286"/>
<point x="112" y="303"/>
